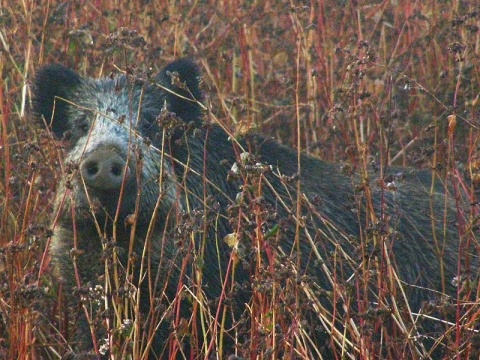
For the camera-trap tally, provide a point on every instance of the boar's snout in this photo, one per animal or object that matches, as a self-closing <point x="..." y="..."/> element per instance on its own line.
<point x="103" y="169"/>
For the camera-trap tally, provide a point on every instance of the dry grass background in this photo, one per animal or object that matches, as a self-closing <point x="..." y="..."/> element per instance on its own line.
<point x="360" y="83"/>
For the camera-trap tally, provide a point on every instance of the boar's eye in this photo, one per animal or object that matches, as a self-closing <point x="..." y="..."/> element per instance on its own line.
<point x="83" y="126"/>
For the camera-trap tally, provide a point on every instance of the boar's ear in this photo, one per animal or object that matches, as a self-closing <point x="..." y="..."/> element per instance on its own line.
<point x="53" y="84"/>
<point x="175" y="74"/>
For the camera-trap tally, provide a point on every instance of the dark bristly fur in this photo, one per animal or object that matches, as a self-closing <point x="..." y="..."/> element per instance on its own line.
<point x="114" y="172"/>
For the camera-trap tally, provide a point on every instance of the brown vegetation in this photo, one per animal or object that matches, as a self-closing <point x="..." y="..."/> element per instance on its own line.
<point x="366" y="85"/>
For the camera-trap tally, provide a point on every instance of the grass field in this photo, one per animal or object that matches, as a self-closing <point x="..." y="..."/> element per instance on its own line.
<point x="363" y="84"/>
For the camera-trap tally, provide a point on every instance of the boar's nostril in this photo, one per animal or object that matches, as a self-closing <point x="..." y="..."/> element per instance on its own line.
<point x="91" y="168"/>
<point x="103" y="169"/>
<point x="117" y="169"/>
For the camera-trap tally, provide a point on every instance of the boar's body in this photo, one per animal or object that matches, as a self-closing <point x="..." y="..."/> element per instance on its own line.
<point x="155" y="197"/>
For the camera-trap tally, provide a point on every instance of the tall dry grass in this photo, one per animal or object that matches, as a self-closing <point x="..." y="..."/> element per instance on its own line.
<point x="364" y="84"/>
